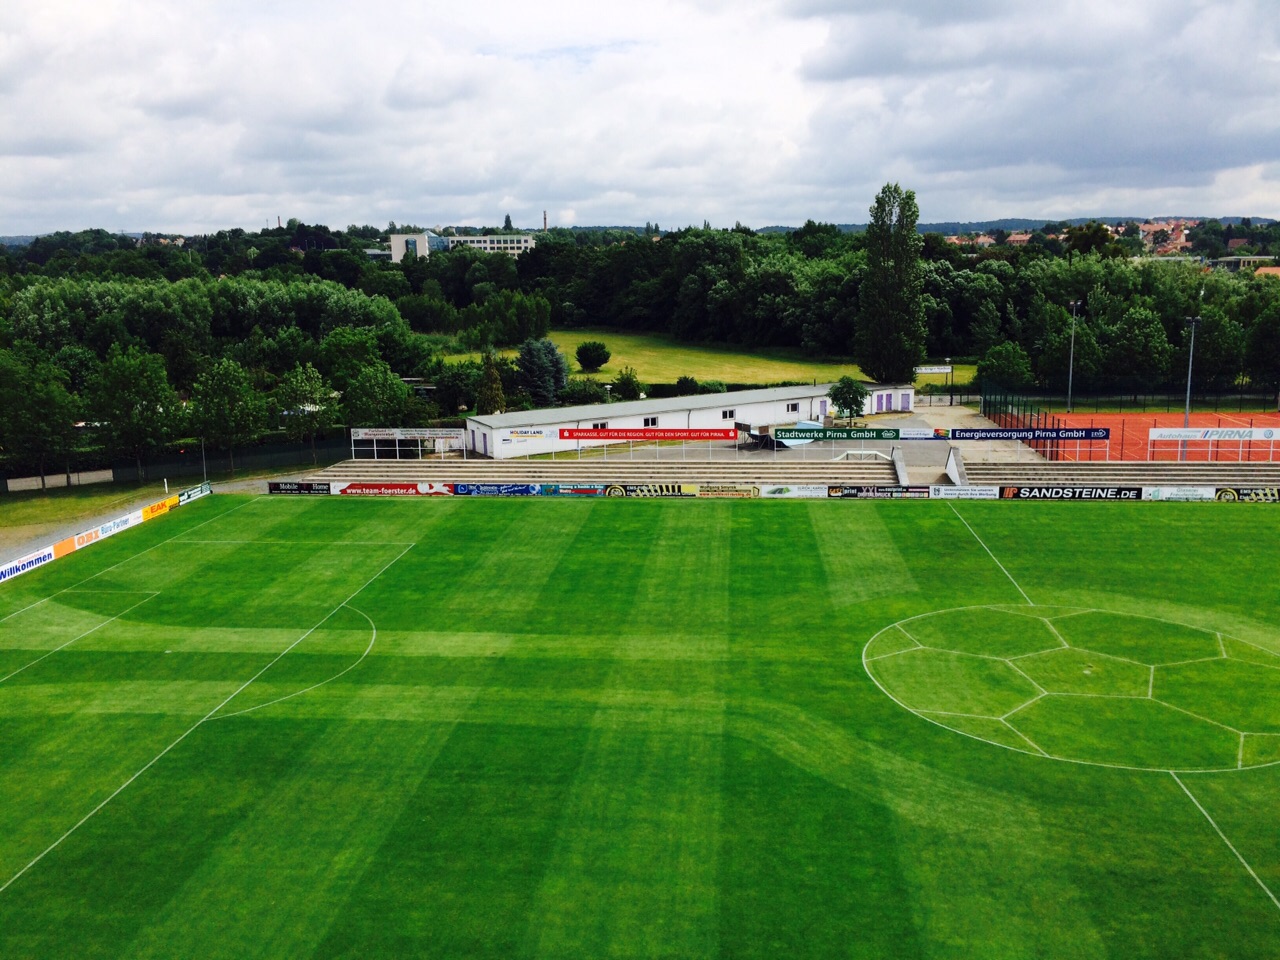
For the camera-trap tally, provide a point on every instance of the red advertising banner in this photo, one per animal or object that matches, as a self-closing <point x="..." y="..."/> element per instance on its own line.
<point x="647" y="433"/>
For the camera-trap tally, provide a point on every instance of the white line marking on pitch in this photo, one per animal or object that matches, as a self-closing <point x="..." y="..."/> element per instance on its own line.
<point x="1230" y="845"/>
<point x="1030" y="602"/>
<point x="1024" y="673"/>
<point x="297" y="693"/>
<point x="1151" y="684"/>
<point x="1035" y="699"/>
<point x="126" y="560"/>
<point x="1054" y="630"/>
<point x="927" y="715"/>
<point x="195" y="726"/>
<point x="50" y="653"/>
<point x="1173" y="706"/>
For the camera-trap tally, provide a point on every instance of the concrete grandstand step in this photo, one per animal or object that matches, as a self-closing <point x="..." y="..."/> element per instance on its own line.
<point x="1124" y="473"/>
<point x="877" y="473"/>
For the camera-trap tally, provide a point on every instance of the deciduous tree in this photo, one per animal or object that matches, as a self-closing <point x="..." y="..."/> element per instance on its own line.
<point x="225" y="409"/>
<point x="889" y="335"/>
<point x="131" y="400"/>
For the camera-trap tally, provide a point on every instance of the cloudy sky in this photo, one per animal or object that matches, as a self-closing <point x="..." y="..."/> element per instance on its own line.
<point x="150" y="114"/>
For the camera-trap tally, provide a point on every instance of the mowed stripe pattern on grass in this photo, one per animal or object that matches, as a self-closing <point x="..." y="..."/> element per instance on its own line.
<point x="585" y="729"/>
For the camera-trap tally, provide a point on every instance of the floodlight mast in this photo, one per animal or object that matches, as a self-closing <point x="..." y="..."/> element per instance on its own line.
<point x="1192" y="322"/>
<point x="1071" y="363"/>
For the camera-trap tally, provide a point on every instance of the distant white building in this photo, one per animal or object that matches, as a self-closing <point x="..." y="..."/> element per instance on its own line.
<point x="509" y="243"/>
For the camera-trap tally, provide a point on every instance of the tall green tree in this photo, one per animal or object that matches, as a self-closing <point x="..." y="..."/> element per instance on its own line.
<point x="1262" y="350"/>
<point x="306" y="404"/>
<point x="37" y="413"/>
<point x="490" y="397"/>
<point x="375" y="398"/>
<point x="225" y="409"/>
<point x="543" y="371"/>
<point x="1005" y="365"/>
<point x="131" y="400"/>
<point x="889" y="335"/>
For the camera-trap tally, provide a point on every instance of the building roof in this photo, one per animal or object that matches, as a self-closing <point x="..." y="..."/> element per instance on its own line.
<point x="635" y="408"/>
<point x="1267" y="272"/>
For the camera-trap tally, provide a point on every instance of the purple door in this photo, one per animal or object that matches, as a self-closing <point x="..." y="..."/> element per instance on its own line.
<point x="879" y="403"/>
<point x="484" y="438"/>
<point x="822" y="408"/>
<point x="906" y="401"/>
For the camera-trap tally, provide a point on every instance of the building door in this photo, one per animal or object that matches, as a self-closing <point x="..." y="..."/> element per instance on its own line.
<point x="879" y="403"/>
<point x="906" y="401"/>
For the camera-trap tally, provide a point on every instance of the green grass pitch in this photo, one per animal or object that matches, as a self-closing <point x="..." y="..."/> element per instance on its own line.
<point x="585" y="729"/>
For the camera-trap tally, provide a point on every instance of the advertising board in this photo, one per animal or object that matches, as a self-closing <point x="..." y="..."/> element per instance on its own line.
<point x="937" y="492"/>
<point x="23" y="564"/>
<point x="573" y="489"/>
<point x="732" y="491"/>
<point x="1183" y="493"/>
<point x="1248" y="494"/>
<point x="1214" y="433"/>
<point x="497" y="489"/>
<point x="795" y="491"/>
<point x="848" y="492"/>
<point x="195" y="493"/>
<point x="1030" y="433"/>
<point x="303" y="487"/>
<point x="363" y="489"/>
<point x="651" y="490"/>
<point x="159" y="508"/>
<point x="406" y="433"/>
<point x="645" y="433"/>
<point x="1071" y="493"/>
<point x="858" y="433"/>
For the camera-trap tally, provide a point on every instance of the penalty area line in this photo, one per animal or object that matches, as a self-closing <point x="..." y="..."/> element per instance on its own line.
<point x="1030" y="602"/>
<point x="199" y="723"/>
<point x="1230" y="846"/>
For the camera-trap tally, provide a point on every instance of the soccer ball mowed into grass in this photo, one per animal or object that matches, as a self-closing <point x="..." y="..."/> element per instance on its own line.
<point x="510" y="728"/>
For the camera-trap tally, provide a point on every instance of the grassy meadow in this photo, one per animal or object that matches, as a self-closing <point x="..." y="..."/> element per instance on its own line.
<point x="313" y="727"/>
<point x="660" y="359"/>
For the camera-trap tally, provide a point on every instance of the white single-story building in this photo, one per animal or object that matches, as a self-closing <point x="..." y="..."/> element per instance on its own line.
<point x="532" y="432"/>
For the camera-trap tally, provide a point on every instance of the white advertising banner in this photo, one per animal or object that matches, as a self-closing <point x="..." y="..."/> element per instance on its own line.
<point x="406" y="433"/>
<point x="1179" y="493"/>
<point x="1214" y="433"/>
<point x="794" y="491"/>
<point x="963" y="493"/>
<point x="32" y="560"/>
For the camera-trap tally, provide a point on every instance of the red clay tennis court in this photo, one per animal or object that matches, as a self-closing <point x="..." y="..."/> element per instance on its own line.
<point x="1129" y="437"/>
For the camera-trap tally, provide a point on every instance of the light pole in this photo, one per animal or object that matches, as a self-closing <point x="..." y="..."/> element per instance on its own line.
<point x="1192" y="322"/>
<point x="1071" y="363"/>
<point x="951" y="384"/>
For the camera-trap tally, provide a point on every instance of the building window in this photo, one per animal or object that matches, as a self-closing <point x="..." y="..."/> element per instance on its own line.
<point x="728" y="414"/>
<point x="793" y="408"/>
<point x="650" y="421"/>
<point x="602" y="425"/>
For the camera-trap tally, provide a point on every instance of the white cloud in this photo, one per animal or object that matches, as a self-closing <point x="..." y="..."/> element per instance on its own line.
<point x="147" y="114"/>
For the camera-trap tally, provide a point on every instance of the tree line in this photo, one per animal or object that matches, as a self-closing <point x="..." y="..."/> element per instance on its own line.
<point x="298" y="324"/>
